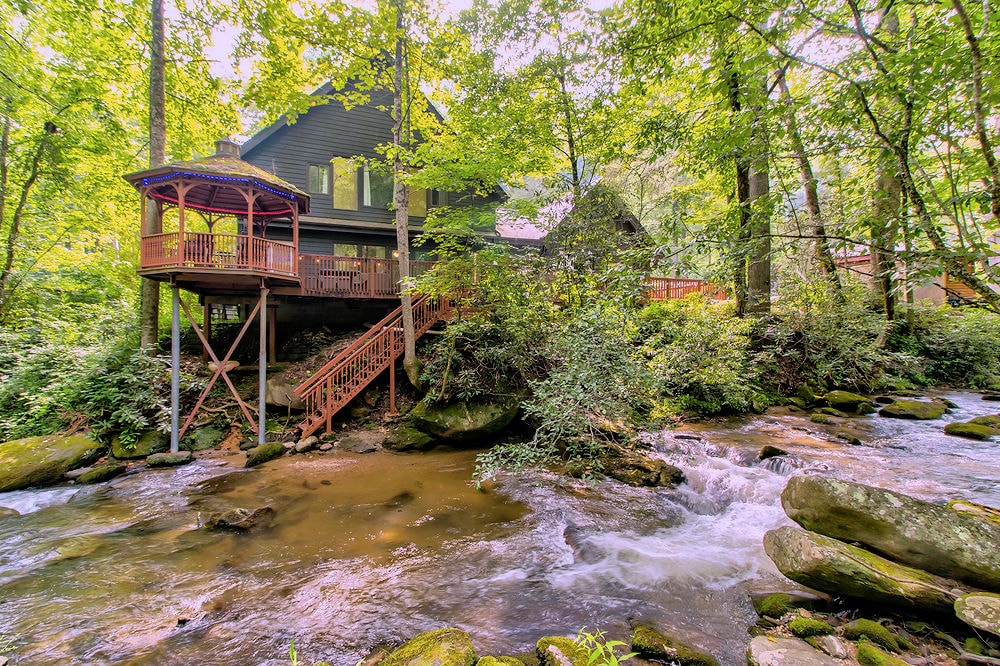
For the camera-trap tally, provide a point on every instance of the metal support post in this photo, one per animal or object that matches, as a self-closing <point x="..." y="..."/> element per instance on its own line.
<point x="262" y="366"/>
<point x="175" y="370"/>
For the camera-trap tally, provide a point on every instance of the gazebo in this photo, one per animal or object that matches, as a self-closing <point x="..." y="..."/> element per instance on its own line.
<point x="220" y="188"/>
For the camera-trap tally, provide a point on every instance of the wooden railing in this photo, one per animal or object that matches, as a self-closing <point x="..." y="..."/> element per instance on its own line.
<point x="662" y="289"/>
<point x="353" y="277"/>
<point x="346" y="375"/>
<point x="220" y="251"/>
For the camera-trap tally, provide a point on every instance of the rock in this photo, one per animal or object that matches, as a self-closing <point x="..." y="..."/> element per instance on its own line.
<point x="870" y="655"/>
<point x="980" y="610"/>
<point x="874" y="631"/>
<point x="970" y="430"/>
<point x="913" y="409"/>
<point x="830" y="411"/>
<point x="992" y="397"/>
<point x="103" y="472"/>
<point x="641" y="471"/>
<point x="364" y="441"/>
<point x="910" y="531"/>
<point x="768" y="451"/>
<point x="499" y="661"/>
<point x="39" y="461"/>
<point x="821" y="419"/>
<point x="407" y="438"/>
<point x="150" y="442"/>
<point x="978" y="511"/>
<point x="991" y="420"/>
<point x="560" y="651"/>
<point x="263" y="453"/>
<point x="848" y="437"/>
<point x="75" y="474"/>
<point x="201" y="439"/>
<point x="240" y="519"/>
<point x="649" y="643"/>
<point x="846" y="401"/>
<point x="773" y="605"/>
<point x="828" y="565"/>
<point x="884" y="400"/>
<point x="807" y="395"/>
<point x="771" y="651"/>
<point x="6" y="512"/>
<point x="227" y="366"/>
<point x="169" y="459"/>
<point x="463" y="421"/>
<point x="797" y="402"/>
<point x="441" y="647"/>
<point x="280" y="392"/>
<point x="804" y="627"/>
<point x="950" y="404"/>
<point x="326" y="446"/>
<point x="359" y="412"/>
<point x="831" y="645"/>
<point x="247" y="444"/>
<point x="306" y="444"/>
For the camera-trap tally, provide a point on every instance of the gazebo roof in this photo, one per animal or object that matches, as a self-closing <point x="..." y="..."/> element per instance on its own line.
<point x="225" y="178"/>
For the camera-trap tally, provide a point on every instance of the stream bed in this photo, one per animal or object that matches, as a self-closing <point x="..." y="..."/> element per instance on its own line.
<point x="373" y="549"/>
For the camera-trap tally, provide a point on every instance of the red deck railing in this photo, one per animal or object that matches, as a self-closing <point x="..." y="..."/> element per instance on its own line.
<point x="353" y="277"/>
<point x="661" y="289"/>
<point x="218" y="251"/>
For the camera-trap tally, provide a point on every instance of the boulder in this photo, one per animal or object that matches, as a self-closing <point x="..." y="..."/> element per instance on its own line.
<point x="463" y="421"/>
<point x="40" y="461"/>
<point x="169" y="459"/>
<point x="648" y="643"/>
<point x="914" y="409"/>
<point x="280" y="392"/>
<point x="560" y="651"/>
<point x="768" y="451"/>
<point x="821" y="419"/>
<point x="970" y="430"/>
<point x="992" y="396"/>
<point x="150" y="442"/>
<point x="772" y="651"/>
<point x="853" y="403"/>
<point x="103" y="472"/>
<point x="980" y="610"/>
<point x="306" y="444"/>
<point x="910" y="531"/>
<point x="263" y="453"/>
<point x="7" y="512"/>
<point x="987" y="513"/>
<point x="828" y="565"/>
<point x="407" y="438"/>
<point x="991" y="420"/>
<point x="240" y="519"/>
<point x="441" y="647"/>
<point x="640" y="470"/>
<point x="200" y="439"/>
<point x="831" y="645"/>
<point x="361" y="441"/>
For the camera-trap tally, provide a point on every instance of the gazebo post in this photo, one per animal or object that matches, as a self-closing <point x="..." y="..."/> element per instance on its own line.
<point x="250" y="199"/>
<point x="175" y="369"/>
<point x="262" y="366"/>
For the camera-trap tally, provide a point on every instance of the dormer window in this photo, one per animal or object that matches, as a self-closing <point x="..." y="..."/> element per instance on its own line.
<point x="319" y="179"/>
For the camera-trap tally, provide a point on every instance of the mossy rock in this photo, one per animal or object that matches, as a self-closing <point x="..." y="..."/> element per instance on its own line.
<point x="499" y="661"/>
<point x="797" y="402"/>
<point x="41" y="461"/>
<point x="991" y="420"/>
<point x="870" y="655"/>
<point x="440" y="647"/>
<point x="464" y="421"/>
<point x="980" y="610"/>
<point x="103" y="472"/>
<point x="263" y="453"/>
<point x="875" y="632"/>
<point x="807" y="395"/>
<point x="206" y="437"/>
<point x="914" y="409"/>
<point x="846" y="401"/>
<point x="768" y="451"/>
<point x="407" y="438"/>
<point x="978" y="511"/>
<point x="150" y="442"/>
<point x="804" y="627"/>
<point x="568" y="650"/>
<point x="641" y="471"/>
<point x="971" y="430"/>
<point x="649" y="643"/>
<point x="975" y="646"/>
<point x="821" y="419"/>
<point x="773" y="605"/>
<point x="169" y="459"/>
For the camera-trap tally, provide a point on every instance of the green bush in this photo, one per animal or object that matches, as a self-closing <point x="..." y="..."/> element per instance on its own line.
<point x="960" y="347"/>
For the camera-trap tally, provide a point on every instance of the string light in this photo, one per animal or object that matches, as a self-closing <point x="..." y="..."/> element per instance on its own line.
<point x="228" y="179"/>
<point x="256" y="213"/>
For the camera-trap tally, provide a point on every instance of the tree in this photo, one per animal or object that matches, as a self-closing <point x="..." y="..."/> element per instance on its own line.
<point x="150" y="298"/>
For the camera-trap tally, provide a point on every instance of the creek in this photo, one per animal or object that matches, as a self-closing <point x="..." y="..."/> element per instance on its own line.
<point x="373" y="549"/>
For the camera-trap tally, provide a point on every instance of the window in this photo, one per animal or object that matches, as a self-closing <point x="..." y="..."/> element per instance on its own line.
<point x="374" y="251"/>
<point x="319" y="179"/>
<point x="345" y="250"/>
<point x="345" y="183"/>
<point x="378" y="188"/>
<point x="418" y="202"/>
<point x="439" y="198"/>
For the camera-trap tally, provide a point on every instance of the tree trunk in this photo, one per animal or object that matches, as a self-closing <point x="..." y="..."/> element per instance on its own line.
<point x="150" y="299"/>
<point x="759" y="264"/>
<point x="401" y="192"/>
<point x="884" y="229"/>
<point x="739" y="265"/>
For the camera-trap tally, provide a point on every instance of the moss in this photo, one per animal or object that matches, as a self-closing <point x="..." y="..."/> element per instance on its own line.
<point x="967" y="508"/>
<point x="39" y="461"/>
<point x="804" y="627"/>
<point x="913" y="409"/>
<point x="448" y="647"/>
<point x="499" y="661"/>
<point x="263" y="453"/>
<point x="649" y="643"/>
<point x="150" y="442"/>
<point x="207" y="437"/>
<point x="169" y="459"/>
<point x="869" y="655"/>
<point x="990" y="420"/>
<point x="874" y="631"/>
<point x="821" y="419"/>
<point x="567" y="646"/>
<point x="773" y="605"/>
<point x="975" y="646"/>
<point x="970" y="431"/>
<point x="103" y="472"/>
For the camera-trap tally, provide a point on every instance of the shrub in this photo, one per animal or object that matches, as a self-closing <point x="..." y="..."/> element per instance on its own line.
<point x="960" y="347"/>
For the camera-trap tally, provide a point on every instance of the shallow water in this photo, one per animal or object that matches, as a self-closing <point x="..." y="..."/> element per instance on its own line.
<point x="371" y="549"/>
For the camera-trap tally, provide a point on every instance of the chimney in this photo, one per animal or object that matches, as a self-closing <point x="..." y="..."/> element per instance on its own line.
<point x="227" y="148"/>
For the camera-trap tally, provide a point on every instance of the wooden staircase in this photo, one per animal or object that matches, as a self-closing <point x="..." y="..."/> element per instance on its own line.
<point x="339" y="381"/>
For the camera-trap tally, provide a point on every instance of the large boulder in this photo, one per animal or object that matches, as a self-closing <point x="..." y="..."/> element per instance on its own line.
<point x="640" y="470"/>
<point x="772" y="651"/>
<point x="914" y="409"/>
<point x="106" y="471"/>
<point x="980" y="610"/>
<point x="40" y="461"/>
<point x="465" y="420"/>
<point x="853" y="403"/>
<point x="200" y="439"/>
<point x="405" y="437"/>
<point x="150" y="442"/>
<point x="831" y="566"/>
<point x="441" y="647"/>
<point x="970" y="430"/>
<point x="919" y="534"/>
<point x="280" y="392"/>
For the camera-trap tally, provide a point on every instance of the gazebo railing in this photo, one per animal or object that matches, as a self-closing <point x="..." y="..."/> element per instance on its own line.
<point x="218" y="251"/>
<point x="662" y="288"/>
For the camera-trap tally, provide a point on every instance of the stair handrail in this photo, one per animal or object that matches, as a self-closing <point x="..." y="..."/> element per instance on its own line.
<point x="358" y="343"/>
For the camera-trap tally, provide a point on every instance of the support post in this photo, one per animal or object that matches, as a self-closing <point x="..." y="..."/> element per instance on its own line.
<point x="206" y="319"/>
<point x="392" y="371"/>
<point x="262" y="366"/>
<point x="175" y="370"/>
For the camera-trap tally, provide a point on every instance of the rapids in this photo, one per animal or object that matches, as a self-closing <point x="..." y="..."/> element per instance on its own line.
<point x="374" y="549"/>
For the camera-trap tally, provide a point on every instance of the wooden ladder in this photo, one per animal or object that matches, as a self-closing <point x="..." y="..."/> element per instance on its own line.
<point x="345" y="376"/>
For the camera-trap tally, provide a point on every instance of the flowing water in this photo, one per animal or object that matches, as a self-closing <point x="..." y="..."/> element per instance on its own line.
<point x="366" y="550"/>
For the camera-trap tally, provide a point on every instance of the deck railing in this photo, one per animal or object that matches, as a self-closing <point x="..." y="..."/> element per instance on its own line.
<point x="662" y="289"/>
<point x="218" y="251"/>
<point x="353" y="277"/>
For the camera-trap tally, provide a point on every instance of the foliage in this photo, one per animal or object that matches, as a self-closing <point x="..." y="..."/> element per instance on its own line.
<point x="959" y="347"/>
<point x="600" y="650"/>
